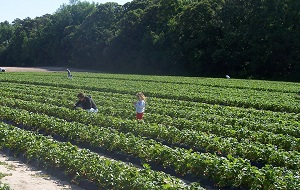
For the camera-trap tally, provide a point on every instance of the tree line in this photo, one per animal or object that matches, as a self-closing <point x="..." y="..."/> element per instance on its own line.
<point x="242" y="38"/>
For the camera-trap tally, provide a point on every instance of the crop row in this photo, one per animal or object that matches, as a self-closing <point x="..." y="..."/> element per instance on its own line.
<point x="197" y="140"/>
<point x="181" y="109"/>
<point x="83" y="164"/>
<point x="232" y="172"/>
<point x="241" y="133"/>
<point x="213" y="95"/>
<point x="210" y="82"/>
<point x="172" y="108"/>
<point x="181" y="160"/>
<point x="158" y="118"/>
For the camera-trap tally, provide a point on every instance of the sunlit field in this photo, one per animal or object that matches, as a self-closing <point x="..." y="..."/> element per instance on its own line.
<point x="197" y="133"/>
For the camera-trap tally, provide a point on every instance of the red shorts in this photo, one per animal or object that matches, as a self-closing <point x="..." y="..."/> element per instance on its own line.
<point x="139" y="116"/>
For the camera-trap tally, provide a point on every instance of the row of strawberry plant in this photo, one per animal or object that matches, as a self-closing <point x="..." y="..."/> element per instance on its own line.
<point x="182" y="160"/>
<point x="264" y="137"/>
<point x="105" y="173"/>
<point x="214" y="82"/>
<point x="241" y="117"/>
<point x="235" y="97"/>
<point x="211" y="143"/>
<point x="212" y="113"/>
<point x="241" y="134"/>
<point x="211" y="82"/>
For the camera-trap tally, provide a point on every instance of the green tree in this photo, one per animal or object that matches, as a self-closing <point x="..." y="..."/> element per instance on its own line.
<point x="94" y="34"/>
<point x="6" y="35"/>
<point x="198" y="32"/>
<point x="254" y="38"/>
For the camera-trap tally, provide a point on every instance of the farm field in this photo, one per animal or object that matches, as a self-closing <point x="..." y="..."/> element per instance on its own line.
<point x="198" y="133"/>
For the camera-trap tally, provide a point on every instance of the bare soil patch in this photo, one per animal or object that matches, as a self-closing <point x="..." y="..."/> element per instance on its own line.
<point x="20" y="176"/>
<point x="44" y="69"/>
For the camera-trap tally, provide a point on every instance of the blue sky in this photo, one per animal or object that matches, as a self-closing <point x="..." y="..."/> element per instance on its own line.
<point x="12" y="9"/>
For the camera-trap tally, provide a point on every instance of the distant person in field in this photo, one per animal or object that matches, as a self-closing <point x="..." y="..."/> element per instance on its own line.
<point x="86" y="103"/>
<point x="70" y="76"/>
<point x="140" y="105"/>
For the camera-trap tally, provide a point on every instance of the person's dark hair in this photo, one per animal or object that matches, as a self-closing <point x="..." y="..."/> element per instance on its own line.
<point x="80" y="95"/>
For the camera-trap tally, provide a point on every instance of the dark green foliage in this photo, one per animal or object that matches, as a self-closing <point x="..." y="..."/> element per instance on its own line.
<point x="259" y="39"/>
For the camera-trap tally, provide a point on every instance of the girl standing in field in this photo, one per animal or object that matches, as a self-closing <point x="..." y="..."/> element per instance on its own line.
<point x="140" y="105"/>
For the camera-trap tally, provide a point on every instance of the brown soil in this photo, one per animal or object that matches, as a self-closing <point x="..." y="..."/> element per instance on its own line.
<point x="20" y="176"/>
<point x="43" y="69"/>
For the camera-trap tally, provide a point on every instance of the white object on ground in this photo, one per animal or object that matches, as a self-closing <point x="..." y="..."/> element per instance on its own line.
<point x="227" y="76"/>
<point x="92" y="110"/>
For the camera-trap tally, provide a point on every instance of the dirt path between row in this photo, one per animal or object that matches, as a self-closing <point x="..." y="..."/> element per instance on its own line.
<point x="43" y="69"/>
<point x="24" y="177"/>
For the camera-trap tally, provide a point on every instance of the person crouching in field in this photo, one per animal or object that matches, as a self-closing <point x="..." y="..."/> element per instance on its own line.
<point x="140" y="105"/>
<point x="86" y="103"/>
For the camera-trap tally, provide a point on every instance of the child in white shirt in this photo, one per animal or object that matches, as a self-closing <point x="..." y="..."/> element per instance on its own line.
<point x="140" y="105"/>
